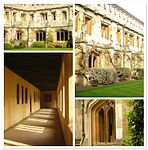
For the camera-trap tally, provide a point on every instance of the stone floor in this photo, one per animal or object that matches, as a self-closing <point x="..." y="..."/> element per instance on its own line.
<point x="43" y="128"/>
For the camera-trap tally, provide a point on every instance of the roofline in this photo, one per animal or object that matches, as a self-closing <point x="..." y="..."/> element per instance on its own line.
<point x="117" y="6"/>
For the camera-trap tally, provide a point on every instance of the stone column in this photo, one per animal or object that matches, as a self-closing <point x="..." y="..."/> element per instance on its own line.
<point x="105" y="126"/>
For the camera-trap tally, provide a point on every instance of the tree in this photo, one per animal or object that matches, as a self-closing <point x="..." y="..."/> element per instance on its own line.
<point x="135" y="124"/>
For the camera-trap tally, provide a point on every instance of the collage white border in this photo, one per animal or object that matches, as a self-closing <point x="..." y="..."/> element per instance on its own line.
<point x="2" y="77"/>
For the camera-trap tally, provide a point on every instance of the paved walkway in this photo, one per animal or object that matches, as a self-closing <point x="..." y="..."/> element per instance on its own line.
<point x="43" y="128"/>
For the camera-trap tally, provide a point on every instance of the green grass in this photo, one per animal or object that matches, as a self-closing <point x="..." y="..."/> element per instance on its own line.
<point x="124" y="89"/>
<point x="38" y="49"/>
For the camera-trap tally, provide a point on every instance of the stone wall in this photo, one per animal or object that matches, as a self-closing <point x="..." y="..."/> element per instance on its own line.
<point x="105" y="38"/>
<point x="29" y="19"/>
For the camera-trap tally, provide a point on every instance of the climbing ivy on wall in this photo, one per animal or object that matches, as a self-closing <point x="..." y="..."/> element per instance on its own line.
<point x="135" y="124"/>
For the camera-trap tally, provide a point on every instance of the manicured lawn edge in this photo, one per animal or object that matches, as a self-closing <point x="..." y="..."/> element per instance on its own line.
<point x="48" y="49"/>
<point x="124" y="89"/>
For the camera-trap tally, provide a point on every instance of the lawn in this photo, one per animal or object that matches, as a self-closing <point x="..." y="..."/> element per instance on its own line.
<point x="46" y="49"/>
<point x="124" y="89"/>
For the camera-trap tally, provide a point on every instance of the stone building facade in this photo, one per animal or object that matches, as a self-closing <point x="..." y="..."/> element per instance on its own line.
<point x="106" y="36"/>
<point x="33" y="22"/>
<point x="100" y="122"/>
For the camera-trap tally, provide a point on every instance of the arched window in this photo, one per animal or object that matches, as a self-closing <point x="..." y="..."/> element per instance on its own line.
<point x="19" y="35"/>
<point x="64" y="15"/>
<point x="53" y="15"/>
<point x="40" y="36"/>
<point x="62" y="35"/>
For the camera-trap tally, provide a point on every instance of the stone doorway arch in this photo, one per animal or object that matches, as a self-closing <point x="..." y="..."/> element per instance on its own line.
<point x="103" y="122"/>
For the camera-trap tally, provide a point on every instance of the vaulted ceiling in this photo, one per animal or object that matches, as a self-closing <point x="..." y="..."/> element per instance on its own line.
<point x="40" y="69"/>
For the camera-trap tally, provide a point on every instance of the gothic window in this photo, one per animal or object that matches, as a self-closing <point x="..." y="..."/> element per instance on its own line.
<point x="40" y="36"/>
<point x="19" y="35"/>
<point x="137" y="41"/>
<point x="131" y="40"/>
<point x="62" y="35"/>
<point x="31" y="17"/>
<point x="53" y="15"/>
<point x="118" y="36"/>
<point x="44" y="16"/>
<point x="7" y="16"/>
<point x="76" y="21"/>
<point x="14" y="16"/>
<point x="23" y="17"/>
<point x="105" y="31"/>
<point x="125" y="38"/>
<point x="88" y="23"/>
<point x="64" y="15"/>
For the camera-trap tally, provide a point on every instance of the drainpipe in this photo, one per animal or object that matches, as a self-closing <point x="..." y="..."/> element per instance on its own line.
<point x="83" y="130"/>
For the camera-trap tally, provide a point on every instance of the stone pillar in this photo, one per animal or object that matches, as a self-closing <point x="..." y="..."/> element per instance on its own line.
<point x="114" y="126"/>
<point x="105" y="126"/>
<point x="92" y="59"/>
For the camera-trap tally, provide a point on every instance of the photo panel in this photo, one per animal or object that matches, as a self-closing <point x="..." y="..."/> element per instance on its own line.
<point x="109" y="122"/>
<point x="38" y="99"/>
<point x="38" y="27"/>
<point x="109" y="50"/>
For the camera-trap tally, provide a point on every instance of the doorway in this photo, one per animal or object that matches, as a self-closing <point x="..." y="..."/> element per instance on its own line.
<point x="103" y="122"/>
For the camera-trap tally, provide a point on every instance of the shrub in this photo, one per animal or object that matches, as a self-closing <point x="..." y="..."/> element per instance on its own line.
<point x="38" y="44"/>
<point x="7" y="46"/>
<point x="138" y="73"/>
<point x="123" y="73"/>
<point x="57" y="45"/>
<point x="102" y="76"/>
<point x="22" y="44"/>
<point x="51" y="45"/>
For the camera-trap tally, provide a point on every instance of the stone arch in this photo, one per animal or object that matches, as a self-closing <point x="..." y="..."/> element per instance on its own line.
<point x="102" y="127"/>
<point x="92" y="61"/>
